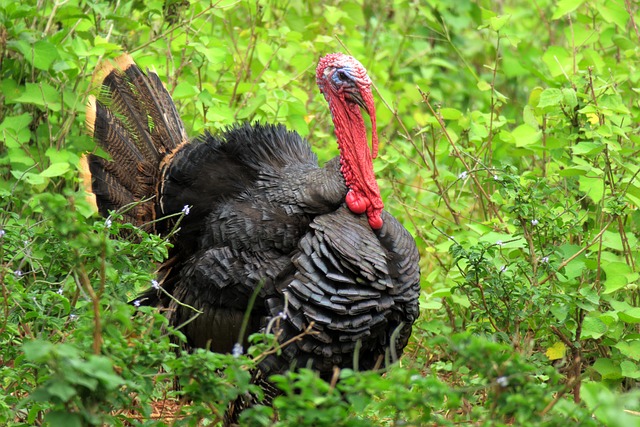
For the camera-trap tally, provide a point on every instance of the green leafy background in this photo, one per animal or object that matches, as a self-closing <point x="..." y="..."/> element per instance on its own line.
<point x="509" y="148"/>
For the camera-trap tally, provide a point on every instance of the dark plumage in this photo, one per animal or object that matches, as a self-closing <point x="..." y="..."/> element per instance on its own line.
<point x="263" y="218"/>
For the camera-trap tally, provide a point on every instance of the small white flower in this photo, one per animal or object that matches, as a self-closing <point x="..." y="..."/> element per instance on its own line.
<point x="534" y="222"/>
<point x="495" y="177"/>
<point x="499" y="243"/>
<point x="136" y="303"/>
<point x="186" y="209"/>
<point x="463" y="175"/>
<point x="503" y="269"/>
<point x="60" y="291"/>
<point x="544" y="259"/>
<point x="18" y="273"/>
<point x="237" y="350"/>
<point x="2" y="233"/>
<point x="155" y="285"/>
<point x="73" y="317"/>
<point x="107" y="223"/>
<point x="282" y="315"/>
<point x="502" y="381"/>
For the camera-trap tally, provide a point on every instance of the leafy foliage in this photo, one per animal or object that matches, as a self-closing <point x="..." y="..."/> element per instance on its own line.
<point x="509" y="149"/>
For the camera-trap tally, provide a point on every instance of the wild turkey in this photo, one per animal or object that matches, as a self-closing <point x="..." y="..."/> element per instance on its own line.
<point x="263" y="218"/>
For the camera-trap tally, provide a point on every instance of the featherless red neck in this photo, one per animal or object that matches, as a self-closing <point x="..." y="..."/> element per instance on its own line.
<point x="346" y="86"/>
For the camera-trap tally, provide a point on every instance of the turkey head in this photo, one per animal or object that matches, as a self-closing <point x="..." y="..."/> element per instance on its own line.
<point x="347" y="88"/>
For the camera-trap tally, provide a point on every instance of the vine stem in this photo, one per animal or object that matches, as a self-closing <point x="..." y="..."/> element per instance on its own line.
<point x="425" y="98"/>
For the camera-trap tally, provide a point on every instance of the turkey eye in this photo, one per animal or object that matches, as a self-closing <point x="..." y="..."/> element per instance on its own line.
<point x="342" y="75"/>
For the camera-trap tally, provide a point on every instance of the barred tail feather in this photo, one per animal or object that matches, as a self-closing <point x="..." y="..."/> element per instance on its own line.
<point x="133" y="118"/>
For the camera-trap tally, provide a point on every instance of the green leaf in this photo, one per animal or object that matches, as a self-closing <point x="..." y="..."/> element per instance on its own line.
<point x="44" y="54"/>
<point x="592" y="187"/>
<point x="526" y="135"/>
<point x="497" y="22"/>
<point x="629" y="369"/>
<point x="587" y="148"/>
<point x="630" y="349"/>
<point x="63" y="419"/>
<point x="42" y="94"/>
<point x="61" y="389"/>
<point x="592" y="327"/>
<point x="616" y="276"/>
<point x="631" y="315"/>
<point x="564" y="7"/>
<point x="615" y="13"/>
<point x="569" y="97"/>
<point x="37" y="351"/>
<point x="550" y="97"/>
<point x="607" y="368"/>
<point x="483" y="86"/>
<point x="55" y="169"/>
<point x="559" y="61"/>
<point x="14" y="130"/>
<point x="450" y="113"/>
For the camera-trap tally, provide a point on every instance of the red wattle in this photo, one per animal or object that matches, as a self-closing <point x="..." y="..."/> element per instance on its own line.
<point x="375" y="222"/>
<point x="356" y="203"/>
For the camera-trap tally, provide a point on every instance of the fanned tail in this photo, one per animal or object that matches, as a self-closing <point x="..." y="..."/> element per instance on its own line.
<point x="133" y="119"/>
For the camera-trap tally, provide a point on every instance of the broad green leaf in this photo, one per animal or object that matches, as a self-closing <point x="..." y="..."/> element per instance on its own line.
<point x="14" y="130"/>
<point x="42" y="94"/>
<point x="592" y="187"/>
<point x="575" y="171"/>
<point x="564" y="7"/>
<point x="534" y="96"/>
<point x="629" y="369"/>
<point x="550" y="97"/>
<point x="483" y="86"/>
<point x="55" y="169"/>
<point x="37" y="351"/>
<point x="497" y="22"/>
<point x="44" y="53"/>
<point x="17" y="156"/>
<point x="450" y="113"/>
<point x="569" y="97"/>
<point x="607" y="368"/>
<point x="587" y="148"/>
<point x="61" y="389"/>
<point x="592" y="327"/>
<point x="29" y="177"/>
<point x="16" y="122"/>
<point x="630" y="349"/>
<point x="525" y="135"/>
<point x="185" y="90"/>
<point x="559" y="311"/>
<point x="631" y="315"/>
<point x="614" y="12"/>
<point x="63" y="419"/>
<point x="616" y="276"/>
<point x="559" y="61"/>
<point x="529" y="116"/>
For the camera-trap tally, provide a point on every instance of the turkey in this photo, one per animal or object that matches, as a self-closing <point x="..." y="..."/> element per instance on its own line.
<point x="333" y="275"/>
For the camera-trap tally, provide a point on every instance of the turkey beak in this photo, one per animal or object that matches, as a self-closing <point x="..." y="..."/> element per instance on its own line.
<point x="364" y="98"/>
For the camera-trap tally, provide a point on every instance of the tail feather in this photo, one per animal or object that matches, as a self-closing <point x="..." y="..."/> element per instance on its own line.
<point x="133" y="118"/>
<point x="168" y="129"/>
